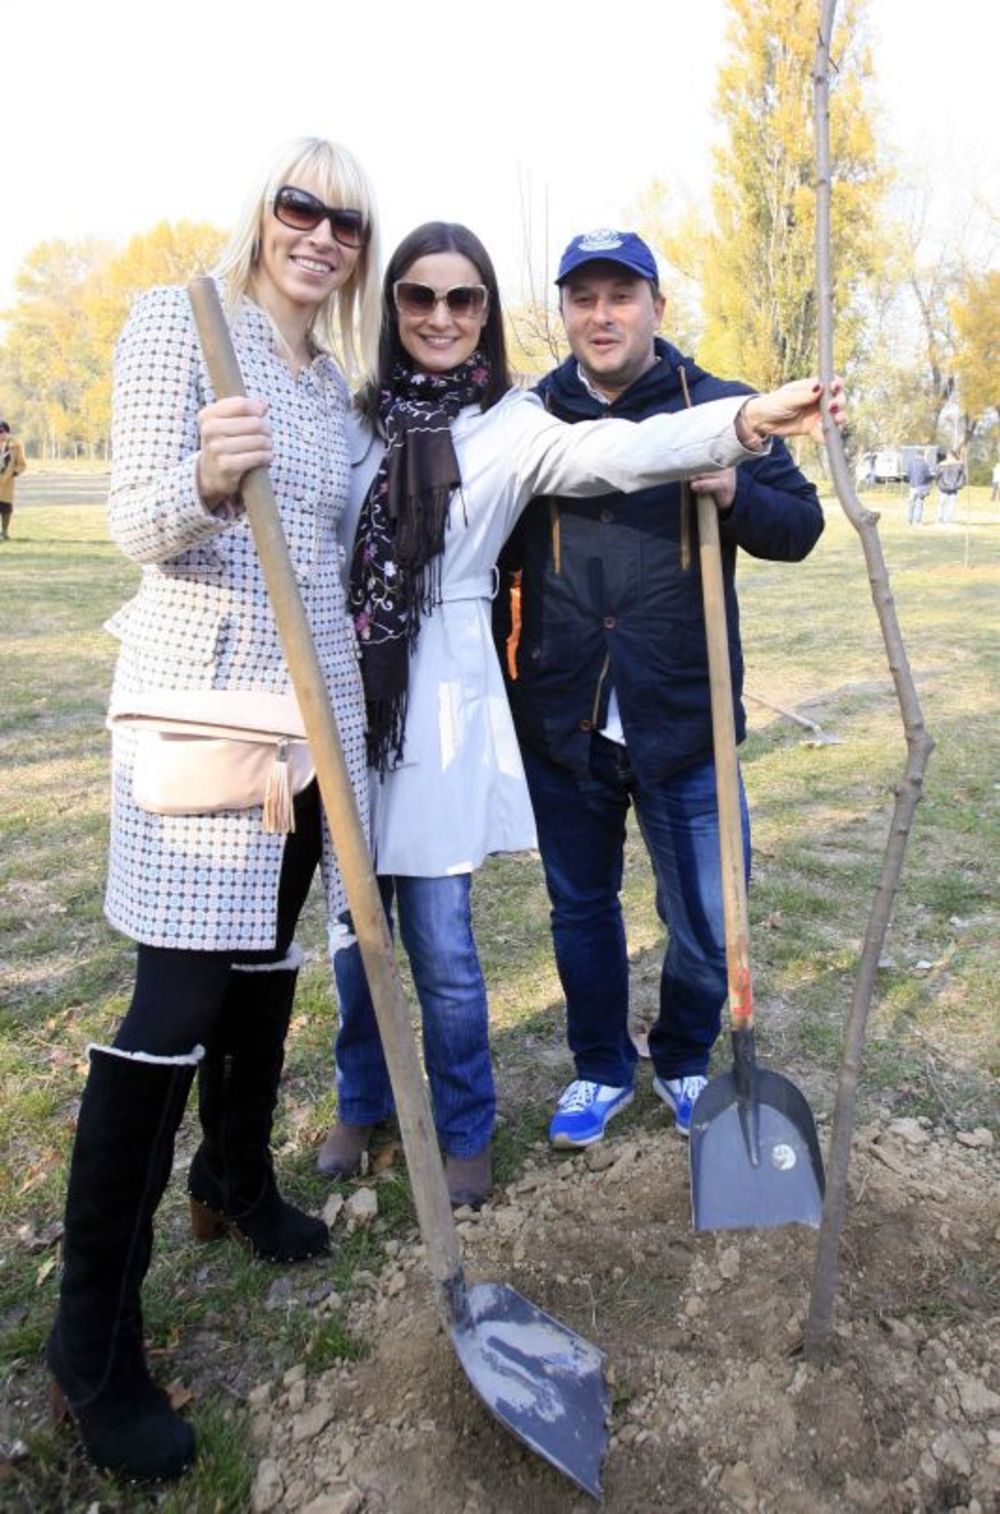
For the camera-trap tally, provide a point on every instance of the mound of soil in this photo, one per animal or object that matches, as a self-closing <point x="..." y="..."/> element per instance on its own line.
<point x="713" y="1404"/>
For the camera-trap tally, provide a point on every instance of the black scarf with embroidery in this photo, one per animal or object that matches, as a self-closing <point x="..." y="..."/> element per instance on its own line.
<point x="396" y="564"/>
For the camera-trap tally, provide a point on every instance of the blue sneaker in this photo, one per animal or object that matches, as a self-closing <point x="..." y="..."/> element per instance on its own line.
<point x="681" y="1094"/>
<point x="583" y="1111"/>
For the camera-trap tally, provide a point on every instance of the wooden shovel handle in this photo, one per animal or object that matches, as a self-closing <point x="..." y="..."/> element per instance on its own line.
<point x="727" y="785"/>
<point x="423" y="1158"/>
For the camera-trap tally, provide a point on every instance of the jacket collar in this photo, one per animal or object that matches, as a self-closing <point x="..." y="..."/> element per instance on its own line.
<point x="566" y="395"/>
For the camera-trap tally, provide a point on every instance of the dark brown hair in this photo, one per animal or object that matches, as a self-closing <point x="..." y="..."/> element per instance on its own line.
<point x="431" y="237"/>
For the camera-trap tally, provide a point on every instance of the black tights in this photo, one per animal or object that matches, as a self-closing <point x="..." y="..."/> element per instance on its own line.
<point x="179" y="994"/>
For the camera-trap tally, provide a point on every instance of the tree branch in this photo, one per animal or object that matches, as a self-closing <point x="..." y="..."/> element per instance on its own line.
<point x="918" y="742"/>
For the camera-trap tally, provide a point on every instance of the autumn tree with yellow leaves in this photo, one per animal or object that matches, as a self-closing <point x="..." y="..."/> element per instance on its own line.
<point x="976" y="314"/>
<point x="758" y="281"/>
<point x="45" y="361"/>
<point x="72" y="302"/>
<point x="752" y="259"/>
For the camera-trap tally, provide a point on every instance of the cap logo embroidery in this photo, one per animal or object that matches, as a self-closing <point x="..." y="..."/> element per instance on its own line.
<point x="601" y="240"/>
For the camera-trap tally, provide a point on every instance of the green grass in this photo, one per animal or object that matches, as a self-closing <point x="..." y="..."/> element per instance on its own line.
<point x="820" y="826"/>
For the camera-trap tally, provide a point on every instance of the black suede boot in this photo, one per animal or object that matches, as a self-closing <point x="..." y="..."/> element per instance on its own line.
<point x="121" y="1162"/>
<point x="231" y="1181"/>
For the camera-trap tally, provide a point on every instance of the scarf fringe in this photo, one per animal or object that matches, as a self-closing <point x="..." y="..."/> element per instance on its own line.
<point x="422" y="596"/>
<point x="419" y="534"/>
<point x="386" y="734"/>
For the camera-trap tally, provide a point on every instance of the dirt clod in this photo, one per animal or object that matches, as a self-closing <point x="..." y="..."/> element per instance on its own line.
<point x="703" y="1338"/>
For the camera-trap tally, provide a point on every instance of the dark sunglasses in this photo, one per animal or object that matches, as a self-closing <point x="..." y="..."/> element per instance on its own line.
<point x="302" y="211"/>
<point x="464" y="301"/>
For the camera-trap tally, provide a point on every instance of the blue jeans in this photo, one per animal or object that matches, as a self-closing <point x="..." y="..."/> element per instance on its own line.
<point x="435" y="921"/>
<point x="581" y="834"/>
<point x="946" y="507"/>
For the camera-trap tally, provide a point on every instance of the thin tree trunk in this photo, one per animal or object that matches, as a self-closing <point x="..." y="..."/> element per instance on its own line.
<point x="918" y="744"/>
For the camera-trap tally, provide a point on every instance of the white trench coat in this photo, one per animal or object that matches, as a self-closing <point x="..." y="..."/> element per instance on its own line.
<point x="460" y="792"/>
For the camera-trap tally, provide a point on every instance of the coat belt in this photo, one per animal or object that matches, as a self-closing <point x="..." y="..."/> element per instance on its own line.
<point x="482" y="586"/>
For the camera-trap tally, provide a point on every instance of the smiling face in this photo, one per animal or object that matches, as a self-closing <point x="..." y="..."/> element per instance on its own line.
<point x="611" y="317"/>
<point x="297" y="270"/>
<point x="439" y="341"/>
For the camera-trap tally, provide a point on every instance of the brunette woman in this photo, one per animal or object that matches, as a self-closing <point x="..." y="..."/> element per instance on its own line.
<point x="451" y="456"/>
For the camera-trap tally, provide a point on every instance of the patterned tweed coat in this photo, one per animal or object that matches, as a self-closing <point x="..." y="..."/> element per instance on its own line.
<point x="201" y="619"/>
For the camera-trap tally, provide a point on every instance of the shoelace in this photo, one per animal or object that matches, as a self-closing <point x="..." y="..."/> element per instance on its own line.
<point x="692" y="1086"/>
<point x="579" y="1095"/>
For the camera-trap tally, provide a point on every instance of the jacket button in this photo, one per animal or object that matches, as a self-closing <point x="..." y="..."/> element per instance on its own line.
<point x="586" y="725"/>
<point x="536" y="652"/>
<point x="607" y="516"/>
<point x="609" y="622"/>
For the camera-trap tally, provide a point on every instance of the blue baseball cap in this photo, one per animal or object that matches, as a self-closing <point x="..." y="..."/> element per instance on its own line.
<point x="608" y="246"/>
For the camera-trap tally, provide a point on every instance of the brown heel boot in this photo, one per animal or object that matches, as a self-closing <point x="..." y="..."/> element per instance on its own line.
<point x="206" y="1224"/>
<point x="470" y="1179"/>
<point x="60" y="1408"/>
<point x="340" y="1154"/>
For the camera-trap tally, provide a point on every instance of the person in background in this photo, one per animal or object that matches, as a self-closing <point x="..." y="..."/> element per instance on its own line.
<point x="920" y="476"/>
<point x="12" y="464"/>
<point x="950" y="478"/>
<point x="995" y="483"/>
<point x="610" y="696"/>
<point x="212" y="895"/>
<point x="451" y="457"/>
<point x="864" y="473"/>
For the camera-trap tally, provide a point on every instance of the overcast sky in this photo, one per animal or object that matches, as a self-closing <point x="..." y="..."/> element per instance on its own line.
<point x="114" y="116"/>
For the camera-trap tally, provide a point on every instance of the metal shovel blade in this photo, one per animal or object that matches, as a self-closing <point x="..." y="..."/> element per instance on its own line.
<point x="755" y="1159"/>
<point x="540" y="1379"/>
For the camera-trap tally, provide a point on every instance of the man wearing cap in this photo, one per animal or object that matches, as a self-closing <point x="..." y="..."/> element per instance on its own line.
<point x="610" y="689"/>
<point x="11" y="464"/>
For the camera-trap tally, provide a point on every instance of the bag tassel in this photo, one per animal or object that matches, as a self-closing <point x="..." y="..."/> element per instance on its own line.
<point x="279" y="811"/>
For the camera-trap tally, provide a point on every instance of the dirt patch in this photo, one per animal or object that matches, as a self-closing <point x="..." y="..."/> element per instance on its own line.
<point x="713" y="1405"/>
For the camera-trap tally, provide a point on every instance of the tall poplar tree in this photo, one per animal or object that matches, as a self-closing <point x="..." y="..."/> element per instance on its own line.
<point x="756" y="262"/>
<point x="976" y="313"/>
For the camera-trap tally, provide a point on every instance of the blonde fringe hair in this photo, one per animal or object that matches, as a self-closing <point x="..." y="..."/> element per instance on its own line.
<point x="347" y="322"/>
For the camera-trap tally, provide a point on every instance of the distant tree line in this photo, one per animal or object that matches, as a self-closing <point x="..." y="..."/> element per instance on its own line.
<point x="917" y="317"/>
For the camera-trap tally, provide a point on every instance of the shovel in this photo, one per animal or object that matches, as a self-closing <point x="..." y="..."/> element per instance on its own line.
<point x="539" y="1378"/>
<point x="755" y="1157"/>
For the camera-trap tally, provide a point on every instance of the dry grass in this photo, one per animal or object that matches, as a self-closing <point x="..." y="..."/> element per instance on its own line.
<point x="820" y="816"/>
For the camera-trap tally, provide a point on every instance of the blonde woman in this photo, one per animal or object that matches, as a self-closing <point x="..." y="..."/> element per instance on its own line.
<point x="212" y="899"/>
